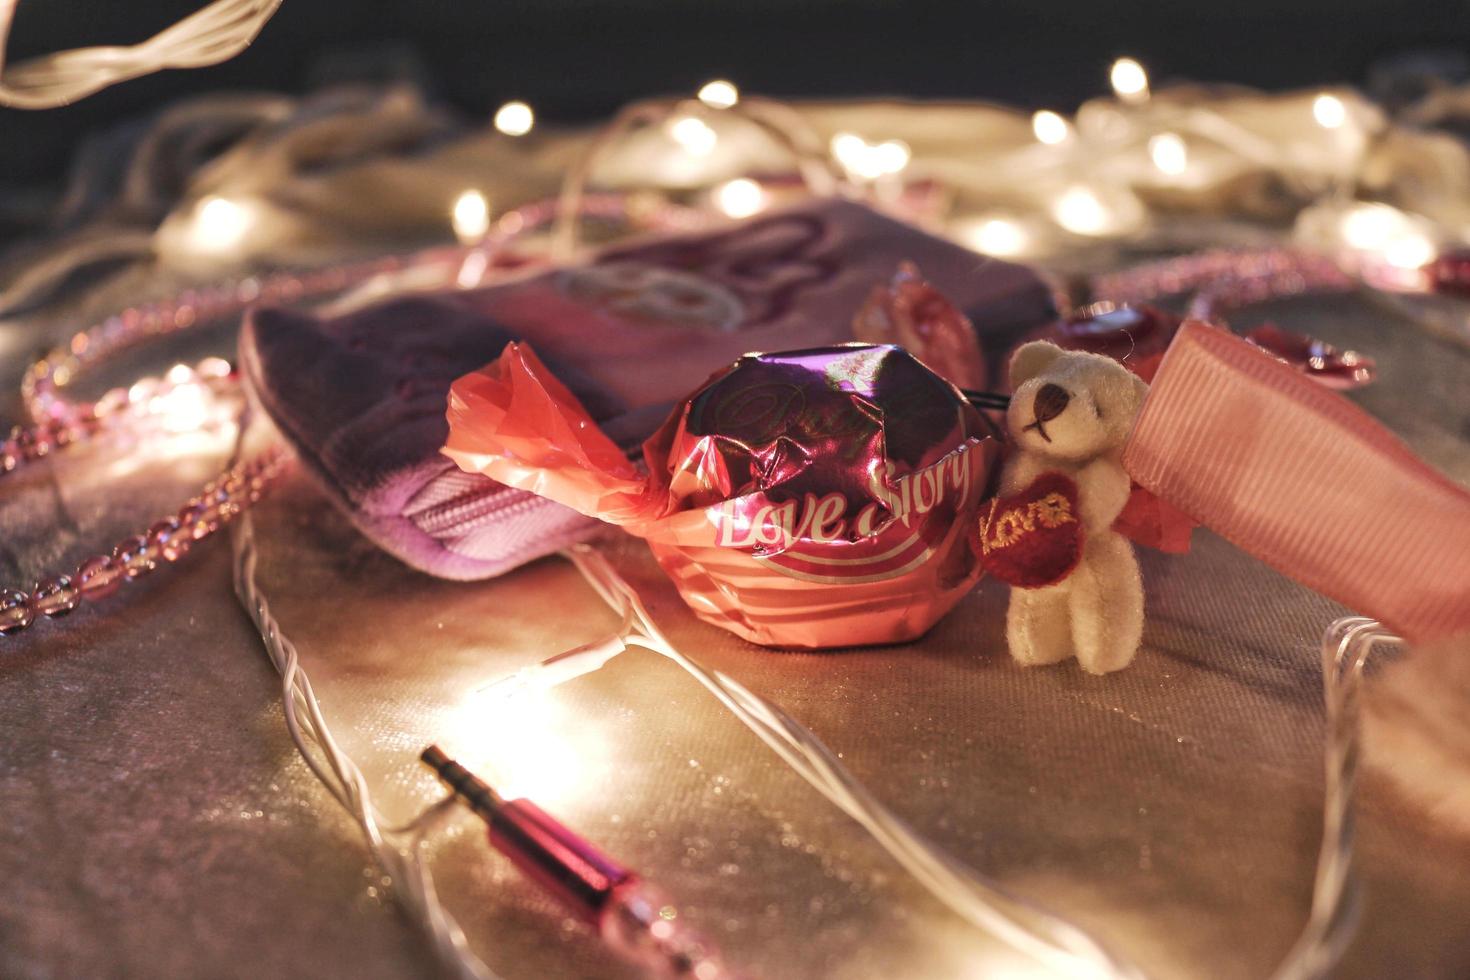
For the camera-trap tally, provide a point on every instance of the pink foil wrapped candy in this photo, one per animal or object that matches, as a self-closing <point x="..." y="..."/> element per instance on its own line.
<point x="815" y="498"/>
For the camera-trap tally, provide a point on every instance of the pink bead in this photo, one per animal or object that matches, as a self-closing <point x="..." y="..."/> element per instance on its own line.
<point x="191" y="519"/>
<point x="218" y="507"/>
<point x="11" y="455"/>
<point x="99" y="577"/>
<point x="1320" y="361"/>
<point x="55" y="596"/>
<point x="193" y="523"/>
<point x="15" y="611"/>
<point x="1136" y="332"/>
<point x="34" y="443"/>
<point x="135" y="557"/>
<point x="169" y="539"/>
<point x="222" y="513"/>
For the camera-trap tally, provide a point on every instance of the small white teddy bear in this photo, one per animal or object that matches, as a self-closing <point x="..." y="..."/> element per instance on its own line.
<point x="1070" y="413"/>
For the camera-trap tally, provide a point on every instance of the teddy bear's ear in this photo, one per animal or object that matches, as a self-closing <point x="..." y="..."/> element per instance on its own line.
<point x="1031" y="359"/>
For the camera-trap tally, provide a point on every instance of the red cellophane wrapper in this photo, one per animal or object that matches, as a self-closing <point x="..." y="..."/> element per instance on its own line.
<point x="816" y="498"/>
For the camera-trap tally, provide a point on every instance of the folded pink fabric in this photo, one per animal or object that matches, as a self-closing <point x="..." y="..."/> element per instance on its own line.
<point x="1306" y="481"/>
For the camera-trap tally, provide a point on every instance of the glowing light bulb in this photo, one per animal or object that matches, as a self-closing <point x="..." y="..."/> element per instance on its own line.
<point x="1130" y="81"/>
<point x="855" y="155"/>
<point x="515" y="119"/>
<point x="1049" y="127"/>
<point x="694" y="135"/>
<point x="741" y="197"/>
<point x="1078" y="210"/>
<point x="213" y="369"/>
<point x="1329" y="111"/>
<point x="848" y="148"/>
<point x="1169" y="154"/>
<point x="184" y="407"/>
<point x="869" y="161"/>
<point x="997" y="236"/>
<point x="220" y="224"/>
<point x="1410" y="251"/>
<point x="470" y="216"/>
<point x="547" y="752"/>
<point x="1371" y="227"/>
<point x="1396" y="237"/>
<point x="719" y="94"/>
<point x="892" y="156"/>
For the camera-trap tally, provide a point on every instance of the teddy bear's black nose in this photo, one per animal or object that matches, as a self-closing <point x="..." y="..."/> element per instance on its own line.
<point x="1051" y="401"/>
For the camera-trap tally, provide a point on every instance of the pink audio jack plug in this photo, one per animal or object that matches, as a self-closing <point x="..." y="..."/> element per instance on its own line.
<point x="632" y="917"/>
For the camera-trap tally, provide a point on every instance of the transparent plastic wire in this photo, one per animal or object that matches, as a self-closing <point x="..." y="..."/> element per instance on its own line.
<point x="222" y="29"/>
<point x="1336" y="895"/>
<point x="208" y="36"/>
<point x="398" y="851"/>
<point x="1048" y="938"/>
<point x="1027" y="927"/>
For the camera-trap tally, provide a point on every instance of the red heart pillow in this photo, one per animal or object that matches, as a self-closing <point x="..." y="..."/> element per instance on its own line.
<point x="1032" y="538"/>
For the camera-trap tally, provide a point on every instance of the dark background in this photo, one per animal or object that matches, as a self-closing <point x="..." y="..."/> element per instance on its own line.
<point x="579" y="59"/>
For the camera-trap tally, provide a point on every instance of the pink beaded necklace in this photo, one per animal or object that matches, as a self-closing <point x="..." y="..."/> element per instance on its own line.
<point x="58" y="422"/>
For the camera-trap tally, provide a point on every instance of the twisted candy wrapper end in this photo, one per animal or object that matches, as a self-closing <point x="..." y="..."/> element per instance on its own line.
<point x="513" y="421"/>
<point x="1306" y="481"/>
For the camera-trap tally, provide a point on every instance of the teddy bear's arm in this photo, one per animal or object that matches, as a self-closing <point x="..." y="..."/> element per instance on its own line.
<point x="1103" y="489"/>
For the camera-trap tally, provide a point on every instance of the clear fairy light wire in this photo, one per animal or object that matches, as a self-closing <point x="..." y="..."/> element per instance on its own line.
<point x="1026" y="927"/>
<point x="224" y="28"/>
<point x="1051" y="940"/>
<point x="1046" y="937"/>
<point x="208" y="36"/>
<point x="1336" y="894"/>
<point x="397" y="850"/>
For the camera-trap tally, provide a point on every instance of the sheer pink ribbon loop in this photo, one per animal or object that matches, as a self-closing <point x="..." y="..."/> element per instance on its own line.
<point x="1306" y="481"/>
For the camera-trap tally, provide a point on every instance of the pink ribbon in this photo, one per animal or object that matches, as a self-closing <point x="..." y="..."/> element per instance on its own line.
<point x="1306" y="481"/>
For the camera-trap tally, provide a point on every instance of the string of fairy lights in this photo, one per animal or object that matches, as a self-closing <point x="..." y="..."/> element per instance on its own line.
<point x="1404" y="242"/>
<point x="1366" y="231"/>
<point x="214" y="33"/>
<point x="875" y="166"/>
<point x="1088" y="177"/>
